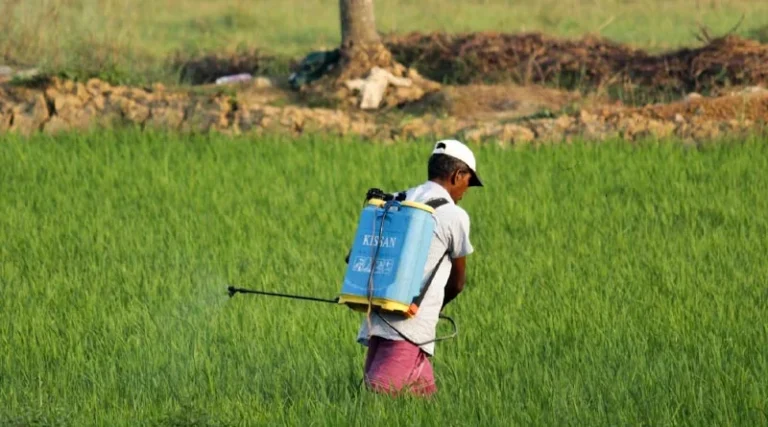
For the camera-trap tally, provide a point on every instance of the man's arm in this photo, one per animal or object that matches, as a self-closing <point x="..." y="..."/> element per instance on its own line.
<point x="456" y="280"/>
<point x="460" y="246"/>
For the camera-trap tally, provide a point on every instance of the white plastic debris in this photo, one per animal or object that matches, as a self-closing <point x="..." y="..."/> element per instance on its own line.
<point x="235" y="78"/>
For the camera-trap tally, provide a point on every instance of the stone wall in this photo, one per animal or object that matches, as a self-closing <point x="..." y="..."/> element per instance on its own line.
<point x="64" y="105"/>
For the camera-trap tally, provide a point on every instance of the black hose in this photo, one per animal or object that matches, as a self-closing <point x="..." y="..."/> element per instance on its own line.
<point x="233" y="290"/>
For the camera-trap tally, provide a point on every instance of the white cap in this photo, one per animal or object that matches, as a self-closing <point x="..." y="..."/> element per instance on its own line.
<point x="458" y="150"/>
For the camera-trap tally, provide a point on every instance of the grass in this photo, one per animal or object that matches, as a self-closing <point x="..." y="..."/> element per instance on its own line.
<point x="130" y="42"/>
<point x="613" y="284"/>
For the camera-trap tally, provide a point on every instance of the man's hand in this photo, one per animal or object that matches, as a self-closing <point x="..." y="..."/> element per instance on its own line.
<point x="456" y="280"/>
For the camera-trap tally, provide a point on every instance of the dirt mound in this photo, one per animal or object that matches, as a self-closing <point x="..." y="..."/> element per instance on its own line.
<point x="748" y="105"/>
<point x="497" y="102"/>
<point x="536" y="58"/>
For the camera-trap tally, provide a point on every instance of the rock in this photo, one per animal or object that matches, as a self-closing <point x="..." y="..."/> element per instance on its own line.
<point x="56" y="125"/>
<point x="633" y="127"/>
<point x="516" y="134"/>
<point x="661" y="129"/>
<point x="739" y="125"/>
<point x="691" y="96"/>
<point x="82" y="118"/>
<point x="563" y="123"/>
<point x="66" y="86"/>
<point x="132" y="110"/>
<point x="165" y="117"/>
<point x="328" y="121"/>
<point x="64" y="103"/>
<point x="448" y="126"/>
<point x="139" y="95"/>
<point x="96" y="87"/>
<point x="29" y="117"/>
<point x="481" y="132"/>
<point x="77" y="108"/>
<point x="705" y="130"/>
<point x="82" y="93"/>
<point x="415" y="128"/>
<point x="262" y="82"/>
<point x="586" y="117"/>
<point x="364" y="128"/>
<point x="591" y="128"/>
<point x="292" y="118"/>
<point x="5" y="120"/>
<point x="98" y="102"/>
<point x="248" y="119"/>
<point x="206" y="115"/>
<point x="546" y="131"/>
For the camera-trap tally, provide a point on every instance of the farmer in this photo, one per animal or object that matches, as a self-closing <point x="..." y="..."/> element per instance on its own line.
<point x="392" y="363"/>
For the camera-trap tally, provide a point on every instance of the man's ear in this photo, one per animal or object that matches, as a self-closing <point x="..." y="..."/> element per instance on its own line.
<point x="455" y="177"/>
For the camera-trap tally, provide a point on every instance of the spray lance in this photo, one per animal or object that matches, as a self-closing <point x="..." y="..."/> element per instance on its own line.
<point x="231" y="290"/>
<point x="404" y="249"/>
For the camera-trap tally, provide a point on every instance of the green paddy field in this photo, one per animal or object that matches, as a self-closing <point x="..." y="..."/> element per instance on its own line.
<point x="612" y="284"/>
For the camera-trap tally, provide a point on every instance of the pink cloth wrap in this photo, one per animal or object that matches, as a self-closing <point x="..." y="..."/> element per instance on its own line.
<point x="396" y="366"/>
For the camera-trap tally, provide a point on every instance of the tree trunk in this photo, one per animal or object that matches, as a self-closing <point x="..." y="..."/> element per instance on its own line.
<point x="358" y="25"/>
<point x="361" y="51"/>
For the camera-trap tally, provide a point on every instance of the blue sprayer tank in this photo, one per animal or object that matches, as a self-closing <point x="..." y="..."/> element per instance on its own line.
<point x="403" y="247"/>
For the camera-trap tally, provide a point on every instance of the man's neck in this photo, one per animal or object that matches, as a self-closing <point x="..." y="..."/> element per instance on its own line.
<point x="439" y="182"/>
<point x="443" y="185"/>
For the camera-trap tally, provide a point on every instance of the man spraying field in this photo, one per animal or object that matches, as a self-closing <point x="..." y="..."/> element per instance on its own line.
<point x="407" y="262"/>
<point x="394" y="362"/>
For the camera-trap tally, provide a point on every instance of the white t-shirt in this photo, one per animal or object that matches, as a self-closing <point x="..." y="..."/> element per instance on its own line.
<point x="452" y="235"/>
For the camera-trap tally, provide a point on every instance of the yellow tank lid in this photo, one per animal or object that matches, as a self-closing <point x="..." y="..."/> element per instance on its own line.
<point x="407" y="203"/>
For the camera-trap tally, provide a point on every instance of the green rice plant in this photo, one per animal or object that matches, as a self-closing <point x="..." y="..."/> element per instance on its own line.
<point x="612" y="284"/>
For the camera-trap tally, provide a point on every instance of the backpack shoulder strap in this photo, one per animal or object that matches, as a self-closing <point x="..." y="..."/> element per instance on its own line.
<point x="416" y="303"/>
<point x="436" y="203"/>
